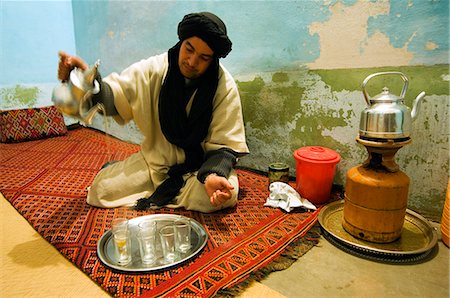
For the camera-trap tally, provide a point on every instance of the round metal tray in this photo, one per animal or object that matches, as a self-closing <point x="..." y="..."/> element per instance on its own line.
<point x="106" y="249"/>
<point x="417" y="240"/>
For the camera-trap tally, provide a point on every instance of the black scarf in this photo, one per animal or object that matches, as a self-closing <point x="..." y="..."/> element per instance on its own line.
<point x="180" y="129"/>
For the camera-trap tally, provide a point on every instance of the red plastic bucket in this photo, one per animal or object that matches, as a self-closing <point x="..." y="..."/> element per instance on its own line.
<point x="315" y="170"/>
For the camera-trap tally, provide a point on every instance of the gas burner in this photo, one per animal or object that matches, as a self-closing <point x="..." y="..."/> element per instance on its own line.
<point x="382" y="153"/>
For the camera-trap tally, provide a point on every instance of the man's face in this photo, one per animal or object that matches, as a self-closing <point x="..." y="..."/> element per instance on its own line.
<point x="195" y="57"/>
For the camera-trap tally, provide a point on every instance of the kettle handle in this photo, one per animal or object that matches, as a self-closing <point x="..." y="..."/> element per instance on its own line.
<point x="405" y="85"/>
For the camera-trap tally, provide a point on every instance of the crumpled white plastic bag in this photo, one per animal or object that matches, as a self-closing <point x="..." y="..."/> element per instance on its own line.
<point x="282" y="195"/>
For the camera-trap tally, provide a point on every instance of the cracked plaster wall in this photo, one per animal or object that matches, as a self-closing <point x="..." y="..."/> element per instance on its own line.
<point x="307" y="110"/>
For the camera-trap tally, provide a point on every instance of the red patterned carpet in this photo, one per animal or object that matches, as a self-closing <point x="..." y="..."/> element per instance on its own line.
<point x="46" y="181"/>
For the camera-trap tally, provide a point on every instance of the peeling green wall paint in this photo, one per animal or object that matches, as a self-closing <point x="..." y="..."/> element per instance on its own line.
<point x="19" y="96"/>
<point x="434" y="79"/>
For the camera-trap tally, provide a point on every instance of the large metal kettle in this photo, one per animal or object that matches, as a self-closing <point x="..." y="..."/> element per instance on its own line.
<point x="387" y="117"/>
<point x="73" y="98"/>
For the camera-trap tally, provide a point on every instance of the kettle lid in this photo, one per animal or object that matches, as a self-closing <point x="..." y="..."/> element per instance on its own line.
<point x="385" y="96"/>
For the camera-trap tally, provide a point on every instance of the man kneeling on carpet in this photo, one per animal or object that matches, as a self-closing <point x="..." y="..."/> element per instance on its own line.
<point x="187" y="106"/>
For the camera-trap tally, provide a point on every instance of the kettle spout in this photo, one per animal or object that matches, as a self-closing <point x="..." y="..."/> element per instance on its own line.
<point x="416" y="105"/>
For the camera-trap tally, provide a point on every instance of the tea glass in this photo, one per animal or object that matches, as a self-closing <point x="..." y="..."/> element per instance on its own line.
<point x="122" y="240"/>
<point x="167" y="236"/>
<point x="182" y="235"/>
<point x="147" y="241"/>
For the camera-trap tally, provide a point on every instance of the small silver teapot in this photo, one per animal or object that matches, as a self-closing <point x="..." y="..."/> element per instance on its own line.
<point x="387" y="117"/>
<point x="73" y="98"/>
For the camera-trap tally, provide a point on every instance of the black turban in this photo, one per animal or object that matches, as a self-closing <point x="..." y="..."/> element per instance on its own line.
<point x="210" y="28"/>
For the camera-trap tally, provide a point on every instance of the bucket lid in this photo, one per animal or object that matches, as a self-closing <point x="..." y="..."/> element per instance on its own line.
<point x="317" y="153"/>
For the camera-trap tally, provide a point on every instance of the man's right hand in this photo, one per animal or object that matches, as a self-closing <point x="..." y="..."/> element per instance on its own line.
<point x="218" y="189"/>
<point x="67" y="63"/>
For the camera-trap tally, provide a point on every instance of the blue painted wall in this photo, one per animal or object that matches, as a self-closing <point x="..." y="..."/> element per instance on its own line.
<point x="267" y="35"/>
<point x="32" y="33"/>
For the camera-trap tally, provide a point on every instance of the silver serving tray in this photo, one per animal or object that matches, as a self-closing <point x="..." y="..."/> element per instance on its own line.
<point x="106" y="249"/>
<point x="418" y="236"/>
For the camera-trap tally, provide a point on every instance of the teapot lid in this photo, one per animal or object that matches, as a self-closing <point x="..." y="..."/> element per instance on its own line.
<point x="385" y="96"/>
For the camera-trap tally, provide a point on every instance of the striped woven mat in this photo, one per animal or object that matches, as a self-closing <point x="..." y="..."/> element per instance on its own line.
<point x="46" y="181"/>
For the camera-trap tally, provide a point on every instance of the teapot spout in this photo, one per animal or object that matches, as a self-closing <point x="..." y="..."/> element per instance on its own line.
<point x="416" y="105"/>
<point x="89" y="115"/>
<point x="90" y="74"/>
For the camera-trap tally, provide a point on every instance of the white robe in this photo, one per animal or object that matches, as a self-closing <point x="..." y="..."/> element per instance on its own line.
<point x="136" y="94"/>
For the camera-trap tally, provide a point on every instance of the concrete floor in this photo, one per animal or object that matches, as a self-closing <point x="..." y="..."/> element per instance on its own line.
<point x="31" y="267"/>
<point x="326" y="271"/>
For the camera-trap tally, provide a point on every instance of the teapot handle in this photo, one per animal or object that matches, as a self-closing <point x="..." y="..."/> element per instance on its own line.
<point x="402" y="94"/>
